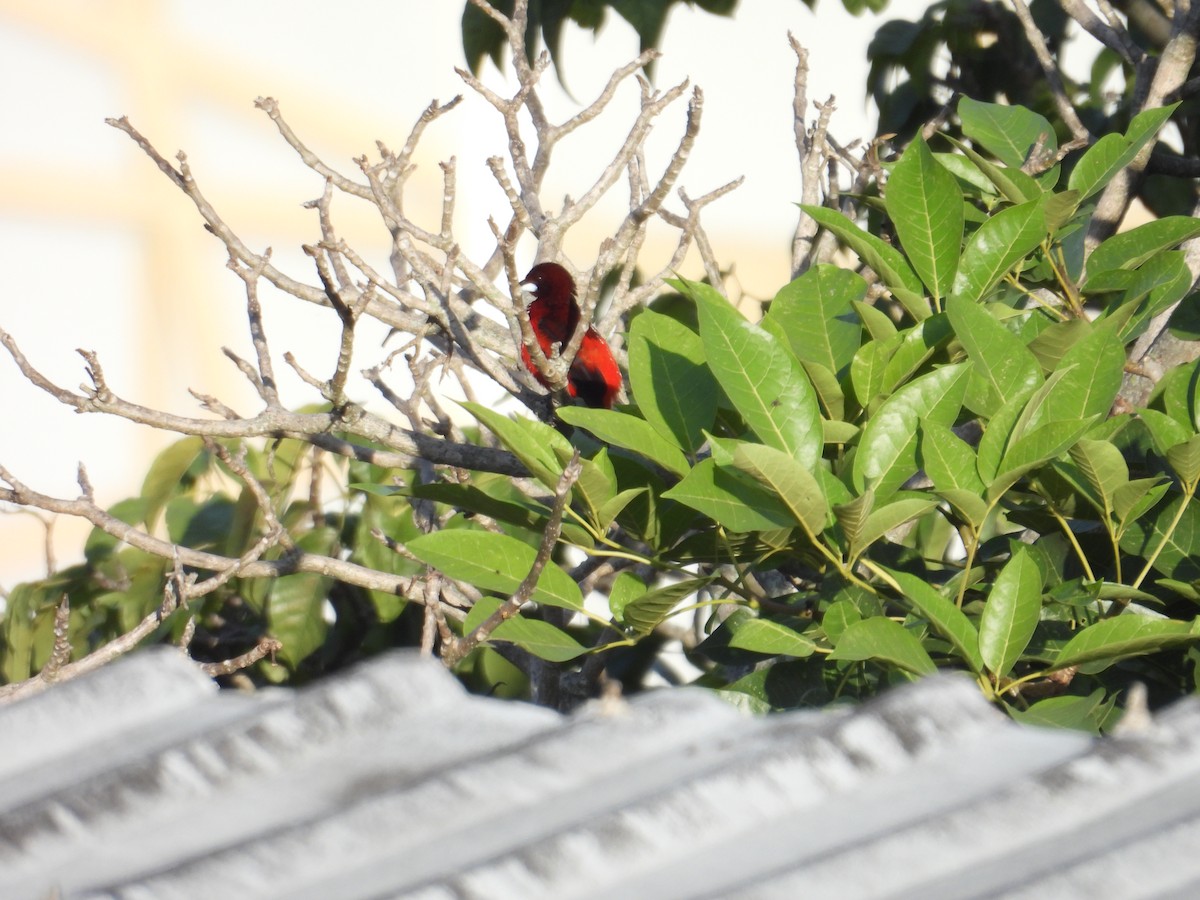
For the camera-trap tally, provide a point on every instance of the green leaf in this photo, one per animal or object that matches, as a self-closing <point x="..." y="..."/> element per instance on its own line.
<point x="1011" y="613"/>
<point x="946" y="618"/>
<point x="772" y="638"/>
<point x="1184" y="459"/>
<point x="673" y="387"/>
<point x="1113" y="152"/>
<point x="540" y="638"/>
<point x="1136" y="498"/>
<point x="878" y="324"/>
<point x="1002" y="362"/>
<point x="815" y="315"/>
<point x="1130" y="249"/>
<point x="607" y="513"/>
<point x="730" y="499"/>
<point x="1077" y="713"/>
<point x="829" y="395"/>
<point x="1124" y="636"/>
<point x="1013" y="184"/>
<point x="295" y="603"/>
<point x="626" y="588"/>
<point x="883" y="520"/>
<point x="494" y="562"/>
<point x="852" y="516"/>
<point x="996" y="246"/>
<point x="630" y="432"/>
<point x="644" y="612"/>
<point x="1156" y="285"/>
<point x="887" y="451"/>
<point x="166" y="475"/>
<point x="791" y="483"/>
<point x="1008" y="132"/>
<point x="883" y="640"/>
<point x="916" y="347"/>
<point x="1165" y="432"/>
<point x="765" y="383"/>
<point x="1091" y="373"/>
<point x="1052" y="344"/>
<point x="926" y="206"/>
<point x="1103" y="466"/>
<point x="948" y="460"/>
<point x="1179" y="558"/>
<point x="888" y="262"/>
<point x="868" y="369"/>
<point x="1036" y="448"/>
<point x="537" y="445"/>
<point x="998" y="432"/>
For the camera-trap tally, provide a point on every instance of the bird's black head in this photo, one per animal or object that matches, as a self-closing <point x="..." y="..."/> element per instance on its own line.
<point x="550" y="282"/>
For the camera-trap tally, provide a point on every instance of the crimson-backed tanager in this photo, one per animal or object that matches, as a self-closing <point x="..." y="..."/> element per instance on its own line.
<point x="554" y="315"/>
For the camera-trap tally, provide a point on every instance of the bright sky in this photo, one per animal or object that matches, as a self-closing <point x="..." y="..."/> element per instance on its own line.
<point x="76" y="279"/>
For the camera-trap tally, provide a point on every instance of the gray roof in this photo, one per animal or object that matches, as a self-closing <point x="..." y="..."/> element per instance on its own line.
<point x="142" y="780"/>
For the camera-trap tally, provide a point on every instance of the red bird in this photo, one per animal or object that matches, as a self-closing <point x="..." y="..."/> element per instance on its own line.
<point x="554" y="314"/>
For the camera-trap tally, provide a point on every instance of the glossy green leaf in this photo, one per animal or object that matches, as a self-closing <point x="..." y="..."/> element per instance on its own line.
<point x="772" y="638"/>
<point x="166" y="474"/>
<point x="730" y="498"/>
<point x="1164" y="431"/>
<point x="948" y="460"/>
<point x="623" y="430"/>
<point x="673" y="387"/>
<point x="815" y="316"/>
<point x="926" y="205"/>
<point x="1113" y="152"/>
<point x="916" y="347"/>
<point x="891" y="266"/>
<point x="867" y="371"/>
<point x="946" y="618"/>
<point x="644" y="612"/>
<point x="996" y="246"/>
<point x="1103" y="466"/>
<point x="788" y="480"/>
<point x="626" y="588"/>
<point x="1152" y="288"/>
<point x="998" y="433"/>
<point x="1129" y="249"/>
<point x="540" y="638"/>
<point x="1002" y="362"/>
<point x="1136" y="498"/>
<point x="879" y="324"/>
<point x="1010" y="614"/>
<point x="1091" y="374"/>
<point x="887" y="451"/>
<point x="494" y="562"/>
<point x="829" y="395"/>
<point x="1013" y="184"/>
<point x="1076" y="713"/>
<point x="1035" y="448"/>
<point x="534" y="443"/>
<point x="852" y="516"/>
<point x="761" y="378"/>
<point x="1184" y="459"/>
<point x="887" y="518"/>
<point x="1124" y="636"/>
<point x="882" y="640"/>
<point x="1008" y="132"/>
<point x="1176" y="543"/>
<point x="295" y="603"/>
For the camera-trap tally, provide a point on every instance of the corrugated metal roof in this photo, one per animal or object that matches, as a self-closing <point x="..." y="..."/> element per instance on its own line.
<point x="142" y="780"/>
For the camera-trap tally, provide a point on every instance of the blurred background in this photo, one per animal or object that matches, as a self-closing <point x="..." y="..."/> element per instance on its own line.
<point x="100" y="251"/>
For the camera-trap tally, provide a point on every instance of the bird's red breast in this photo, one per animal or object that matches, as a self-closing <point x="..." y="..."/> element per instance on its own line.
<point x="594" y="376"/>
